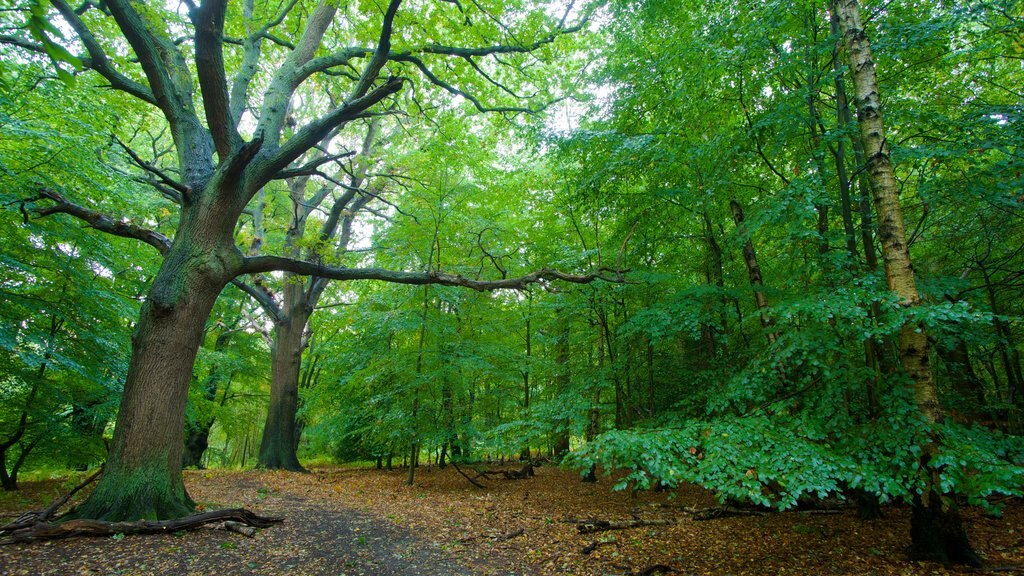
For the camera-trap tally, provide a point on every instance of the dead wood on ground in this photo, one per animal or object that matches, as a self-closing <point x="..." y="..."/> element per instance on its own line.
<point x="520" y="474"/>
<point x="591" y="526"/>
<point x="84" y="527"/>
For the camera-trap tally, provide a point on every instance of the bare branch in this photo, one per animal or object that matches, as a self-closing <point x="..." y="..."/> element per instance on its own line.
<point x="160" y="174"/>
<point x="262" y="296"/>
<point x="100" y="221"/>
<point x="313" y="132"/>
<point x="98" y="60"/>
<point x="453" y="90"/>
<point x="261" y="264"/>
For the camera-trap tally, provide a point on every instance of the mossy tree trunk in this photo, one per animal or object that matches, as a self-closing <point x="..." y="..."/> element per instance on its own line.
<point x="142" y="477"/>
<point x="937" y="532"/>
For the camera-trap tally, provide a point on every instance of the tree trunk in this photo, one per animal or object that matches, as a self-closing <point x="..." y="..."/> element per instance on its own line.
<point x="142" y="477"/>
<point x="563" y="379"/>
<point x="753" y="272"/>
<point x="277" y="449"/>
<point x="937" y="532"/>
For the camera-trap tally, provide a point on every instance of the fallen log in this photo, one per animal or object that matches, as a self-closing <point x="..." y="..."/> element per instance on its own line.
<point x="85" y="527"/>
<point x="521" y="474"/>
<point x="591" y="526"/>
<point x="239" y="528"/>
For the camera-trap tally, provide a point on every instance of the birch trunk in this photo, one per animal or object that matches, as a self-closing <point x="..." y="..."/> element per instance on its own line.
<point x="937" y="532"/>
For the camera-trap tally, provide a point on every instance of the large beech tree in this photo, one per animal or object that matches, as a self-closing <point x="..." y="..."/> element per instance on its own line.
<point x="226" y="104"/>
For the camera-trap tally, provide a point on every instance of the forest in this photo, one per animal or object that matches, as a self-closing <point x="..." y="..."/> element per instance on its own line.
<point x="487" y="278"/>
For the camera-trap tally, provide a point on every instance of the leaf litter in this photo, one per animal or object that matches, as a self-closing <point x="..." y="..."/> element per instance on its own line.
<point x="344" y="521"/>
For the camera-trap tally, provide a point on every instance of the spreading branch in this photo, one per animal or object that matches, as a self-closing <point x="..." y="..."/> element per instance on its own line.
<point x="98" y="60"/>
<point x="263" y="264"/>
<point x="100" y="221"/>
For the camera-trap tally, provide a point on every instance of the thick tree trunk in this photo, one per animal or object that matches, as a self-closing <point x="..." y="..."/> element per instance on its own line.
<point x="937" y="532"/>
<point x="142" y="477"/>
<point x="277" y="449"/>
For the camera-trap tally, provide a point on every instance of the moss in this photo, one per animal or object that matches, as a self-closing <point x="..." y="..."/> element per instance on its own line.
<point x="145" y="492"/>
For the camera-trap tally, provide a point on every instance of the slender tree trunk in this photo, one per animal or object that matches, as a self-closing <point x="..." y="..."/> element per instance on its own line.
<point x="562" y="381"/>
<point x="937" y="532"/>
<point x="754" y="272"/>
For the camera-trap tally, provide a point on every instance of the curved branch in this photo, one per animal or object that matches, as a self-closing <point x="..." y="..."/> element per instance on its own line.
<point x="98" y="60"/>
<point x="261" y="264"/>
<point x="165" y="178"/>
<point x="311" y="133"/>
<point x="406" y="57"/>
<point x="380" y="54"/>
<point x="262" y="296"/>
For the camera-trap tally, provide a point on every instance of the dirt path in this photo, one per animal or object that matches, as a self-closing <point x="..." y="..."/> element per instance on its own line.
<point x="313" y="540"/>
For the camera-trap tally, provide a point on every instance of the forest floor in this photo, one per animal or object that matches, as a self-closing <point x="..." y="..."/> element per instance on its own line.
<point x="346" y="522"/>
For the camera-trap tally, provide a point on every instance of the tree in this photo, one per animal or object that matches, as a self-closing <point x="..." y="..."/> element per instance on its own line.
<point x="218" y="170"/>
<point x="937" y="533"/>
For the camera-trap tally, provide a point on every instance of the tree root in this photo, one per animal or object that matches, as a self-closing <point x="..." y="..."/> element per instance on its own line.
<point x="44" y="530"/>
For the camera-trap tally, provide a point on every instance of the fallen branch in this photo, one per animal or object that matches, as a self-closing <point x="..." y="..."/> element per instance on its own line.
<point x="464" y="475"/>
<point x="591" y="526"/>
<point x="36" y="516"/>
<point x="85" y="527"/>
<point x="511" y="535"/>
<point x="239" y="528"/>
<point x="589" y="548"/>
<point x="655" y="569"/>
<point x="721" y="512"/>
<point x="521" y="474"/>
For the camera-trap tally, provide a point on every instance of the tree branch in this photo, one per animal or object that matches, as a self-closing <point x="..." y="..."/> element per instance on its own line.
<point x="98" y="60"/>
<point x="100" y="221"/>
<point x="208" y="20"/>
<point x="406" y="57"/>
<point x="182" y="189"/>
<point x="261" y="264"/>
<point x="262" y="296"/>
<point x="380" y="54"/>
<point x="313" y="132"/>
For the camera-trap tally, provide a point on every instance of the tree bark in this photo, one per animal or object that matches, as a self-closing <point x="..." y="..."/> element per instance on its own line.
<point x="753" y="272"/>
<point x="142" y="477"/>
<point x="277" y="448"/>
<point x="937" y="532"/>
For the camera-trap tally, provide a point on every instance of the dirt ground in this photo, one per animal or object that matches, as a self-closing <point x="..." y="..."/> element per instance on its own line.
<point x="346" y="522"/>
